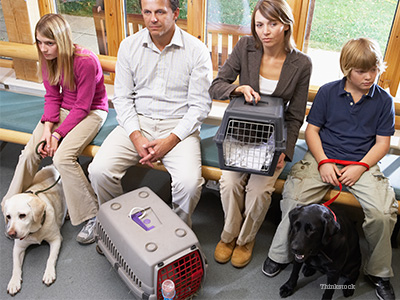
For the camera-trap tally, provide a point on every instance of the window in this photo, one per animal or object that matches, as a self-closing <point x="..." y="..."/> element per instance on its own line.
<point x="332" y="23"/>
<point x="3" y="31"/>
<point x="227" y="21"/>
<point x="134" y="19"/>
<point x="79" y="15"/>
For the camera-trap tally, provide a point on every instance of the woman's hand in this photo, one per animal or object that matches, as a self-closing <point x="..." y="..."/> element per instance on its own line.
<point x="248" y="93"/>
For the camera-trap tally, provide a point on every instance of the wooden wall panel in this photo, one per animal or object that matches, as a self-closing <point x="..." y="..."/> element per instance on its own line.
<point x="20" y="17"/>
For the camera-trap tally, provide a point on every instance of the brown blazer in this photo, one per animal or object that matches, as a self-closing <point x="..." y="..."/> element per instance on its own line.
<point x="293" y="84"/>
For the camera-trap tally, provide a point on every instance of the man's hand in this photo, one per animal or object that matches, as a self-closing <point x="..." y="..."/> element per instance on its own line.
<point x="158" y="148"/>
<point x="139" y="141"/>
<point x="351" y="173"/>
<point x="329" y="173"/>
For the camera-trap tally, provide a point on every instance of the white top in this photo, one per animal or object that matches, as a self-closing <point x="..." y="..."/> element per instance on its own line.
<point x="171" y="84"/>
<point x="267" y="86"/>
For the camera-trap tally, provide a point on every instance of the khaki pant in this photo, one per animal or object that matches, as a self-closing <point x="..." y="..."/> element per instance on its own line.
<point x="304" y="186"/>
<point x="183" y="163"/>
<point x="79" y="195"/>
<point x="245" y="200"/>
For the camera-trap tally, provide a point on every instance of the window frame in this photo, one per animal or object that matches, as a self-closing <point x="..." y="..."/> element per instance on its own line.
<point x="197" y="10"/>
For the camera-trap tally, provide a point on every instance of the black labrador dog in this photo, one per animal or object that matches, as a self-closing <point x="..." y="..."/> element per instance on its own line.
<point x="323" y="244"/>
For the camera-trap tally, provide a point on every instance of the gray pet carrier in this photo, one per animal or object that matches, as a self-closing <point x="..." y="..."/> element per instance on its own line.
<point x="147" y="243"/>
<point x="251" y="137"/>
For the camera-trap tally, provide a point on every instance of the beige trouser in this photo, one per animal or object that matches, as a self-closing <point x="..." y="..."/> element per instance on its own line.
<point x="183" y="163"/>
<point x="305" y="186"/>
<point x="79" y="195"/>
<point x="245" y="200"/>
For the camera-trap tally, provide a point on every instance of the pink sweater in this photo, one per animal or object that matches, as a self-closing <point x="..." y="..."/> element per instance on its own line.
<point x="90" y="93"/>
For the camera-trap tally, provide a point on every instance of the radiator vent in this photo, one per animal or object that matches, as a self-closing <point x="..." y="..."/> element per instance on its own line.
<point x="102" y="235"/>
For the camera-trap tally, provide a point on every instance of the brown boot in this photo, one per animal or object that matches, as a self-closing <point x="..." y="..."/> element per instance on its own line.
<point x="242" y="255"/>
<point x="223" y="251"/>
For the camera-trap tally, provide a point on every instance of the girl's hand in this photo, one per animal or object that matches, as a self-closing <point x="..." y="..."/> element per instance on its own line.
<point x="52" y="146"/>
<point x="248" y="93"/>
<point x="44" y="148"/>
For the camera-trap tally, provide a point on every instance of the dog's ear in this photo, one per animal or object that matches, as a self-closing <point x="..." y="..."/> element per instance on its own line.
<point x="294" y="213"/>
<point x="331" y="228"/>
<point x="37" y="206"/>
<point x="3" y="204"/>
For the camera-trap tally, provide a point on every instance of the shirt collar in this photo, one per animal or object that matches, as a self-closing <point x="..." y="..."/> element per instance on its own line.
<point x="342" y="91"/>
<point x="176" y="39"/>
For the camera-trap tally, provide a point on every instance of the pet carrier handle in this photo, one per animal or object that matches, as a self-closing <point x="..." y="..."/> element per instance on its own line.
<point x="253" y="101"/>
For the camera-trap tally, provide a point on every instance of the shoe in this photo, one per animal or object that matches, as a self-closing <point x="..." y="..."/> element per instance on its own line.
<point x="86" y="235"/>
<point x="383" y="288"/>
<point x="223" y="251"/>
<point x="272" y="268"/>
<point x="242" y="255"/>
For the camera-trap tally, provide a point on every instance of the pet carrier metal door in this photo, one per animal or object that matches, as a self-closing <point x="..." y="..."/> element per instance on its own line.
<point x="251" y="137"/>
<point x="147" y="243"/>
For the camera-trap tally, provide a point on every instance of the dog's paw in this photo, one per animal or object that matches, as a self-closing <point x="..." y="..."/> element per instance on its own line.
<point x="14" y="286"/>
<point x="286" y="290"/>
<point x="49" y="276"/>
<point x="308" y="271"/>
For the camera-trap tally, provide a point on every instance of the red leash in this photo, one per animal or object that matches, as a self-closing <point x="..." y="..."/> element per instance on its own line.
<point x="340" y="162"/>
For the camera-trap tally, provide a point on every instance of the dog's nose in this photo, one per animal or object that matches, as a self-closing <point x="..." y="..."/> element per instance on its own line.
<point x="12" y="234"/>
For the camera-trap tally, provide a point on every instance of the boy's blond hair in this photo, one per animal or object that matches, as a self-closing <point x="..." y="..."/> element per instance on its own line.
<point x="363" y="54"/>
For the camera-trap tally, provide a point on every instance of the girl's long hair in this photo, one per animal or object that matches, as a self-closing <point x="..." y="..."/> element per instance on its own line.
<point x="55" y="27"/>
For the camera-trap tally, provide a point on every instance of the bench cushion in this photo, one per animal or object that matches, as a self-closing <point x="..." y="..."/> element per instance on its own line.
<point x="22" y="112"/>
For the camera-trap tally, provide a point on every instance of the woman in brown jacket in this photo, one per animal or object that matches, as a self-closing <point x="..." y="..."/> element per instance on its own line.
<point x="267" y="63"/>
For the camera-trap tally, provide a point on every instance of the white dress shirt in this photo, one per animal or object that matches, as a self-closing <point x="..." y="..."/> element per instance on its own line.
<point x="168" y="84"/>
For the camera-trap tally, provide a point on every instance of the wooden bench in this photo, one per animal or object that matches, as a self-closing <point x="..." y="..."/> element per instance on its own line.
<point x="221" y="38"/>
<point x="15" y="128"/>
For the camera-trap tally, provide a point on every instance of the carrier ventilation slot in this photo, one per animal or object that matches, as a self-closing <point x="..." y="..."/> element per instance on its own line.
<point x="102" y="235"/>
<point x="186" y="272"/>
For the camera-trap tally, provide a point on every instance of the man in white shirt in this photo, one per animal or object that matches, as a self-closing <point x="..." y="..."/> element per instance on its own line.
<point x="161" y="98"/>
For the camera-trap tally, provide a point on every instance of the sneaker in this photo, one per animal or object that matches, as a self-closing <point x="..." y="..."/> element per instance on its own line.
<point x="272" y="268"/>
<point x="86" y="235"/>
<point x="384" y="290"/>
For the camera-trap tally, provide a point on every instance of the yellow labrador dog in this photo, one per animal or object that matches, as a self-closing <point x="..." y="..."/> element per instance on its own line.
<point x="32" y="217"/>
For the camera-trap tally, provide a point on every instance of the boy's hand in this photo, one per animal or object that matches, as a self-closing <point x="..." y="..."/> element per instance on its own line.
<point x="351" y="173"/>
<point x="329" y="173"/>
